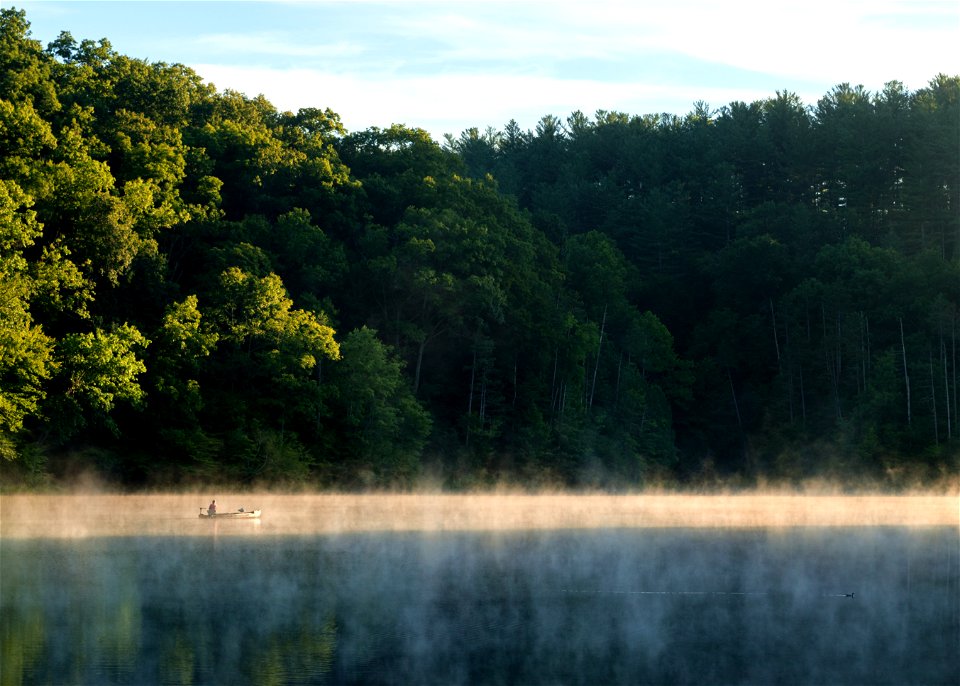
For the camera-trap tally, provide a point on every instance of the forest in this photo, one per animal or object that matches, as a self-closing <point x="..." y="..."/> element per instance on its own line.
<point x="199" y="288"/>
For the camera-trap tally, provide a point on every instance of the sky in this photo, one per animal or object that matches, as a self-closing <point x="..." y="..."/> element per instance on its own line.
<point x="446" y="66"/>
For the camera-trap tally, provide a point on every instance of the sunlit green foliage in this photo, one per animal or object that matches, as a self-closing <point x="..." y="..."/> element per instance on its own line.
<point x="195" y="285"/>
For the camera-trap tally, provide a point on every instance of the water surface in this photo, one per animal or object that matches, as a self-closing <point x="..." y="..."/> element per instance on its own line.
<point x="242" y="602"/>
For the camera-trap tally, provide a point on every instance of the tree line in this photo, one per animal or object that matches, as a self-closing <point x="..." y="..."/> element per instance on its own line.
<point x="199" y="287"/>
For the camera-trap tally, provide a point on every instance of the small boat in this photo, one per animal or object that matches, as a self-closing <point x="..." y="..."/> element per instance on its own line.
<point x="239" y="514"/>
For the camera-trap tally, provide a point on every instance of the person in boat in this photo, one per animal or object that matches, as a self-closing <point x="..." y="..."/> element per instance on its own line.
<point x="212" y="510"/>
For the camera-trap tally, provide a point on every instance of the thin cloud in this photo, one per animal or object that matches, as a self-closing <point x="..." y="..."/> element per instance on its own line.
<point x="816" y="41"/>
<point x="452" y="103"/>
<point x="275" y="44"/>
<point x="446" y="66"/>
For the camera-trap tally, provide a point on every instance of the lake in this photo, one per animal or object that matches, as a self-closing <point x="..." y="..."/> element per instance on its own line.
<point x="492" y="589"/>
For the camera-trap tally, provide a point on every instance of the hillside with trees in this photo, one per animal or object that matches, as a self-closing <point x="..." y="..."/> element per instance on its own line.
<point x="199" y="288"/>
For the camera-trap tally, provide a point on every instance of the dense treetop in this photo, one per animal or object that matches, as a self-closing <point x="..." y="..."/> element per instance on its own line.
<point x="198" y="287"/>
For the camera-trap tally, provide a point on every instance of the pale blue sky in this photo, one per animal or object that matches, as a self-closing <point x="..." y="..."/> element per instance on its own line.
<point x="446" y="66"/>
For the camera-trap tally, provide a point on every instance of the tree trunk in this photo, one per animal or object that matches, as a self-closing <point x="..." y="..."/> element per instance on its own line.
<point x="596" y="367"/>
<point x="864" y="372"/>
<point x="419" y="366"/>
<point x="933" y="401"/>
<point x="803" y="397"/>
<point x="789" y="351"/>
<point x="866" y="321"/>
<point x="318" y="418"/>
<point x="953" y="366"/>
<point x="554" y="389"/>
<point x="776" y="342"/>
<point x="473" y="376"/>
<point x="483" y="400"/>
<point x="832" y="360"/>
<point x="839" y="359"/>
<point x="736" y="405"/>
<point x="946" y="388"/>
<point x="906" y="375"/>
<point x="616" y="397"/>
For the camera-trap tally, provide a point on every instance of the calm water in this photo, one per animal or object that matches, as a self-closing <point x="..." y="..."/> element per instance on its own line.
<point x="610" y="606"/>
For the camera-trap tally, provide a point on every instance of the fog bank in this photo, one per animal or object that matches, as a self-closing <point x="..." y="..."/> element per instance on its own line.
<point x="77" y="516"/>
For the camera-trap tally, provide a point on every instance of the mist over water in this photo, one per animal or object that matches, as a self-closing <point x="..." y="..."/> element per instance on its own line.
<point x="78" y="516"/>
<point x="248" y="603"/>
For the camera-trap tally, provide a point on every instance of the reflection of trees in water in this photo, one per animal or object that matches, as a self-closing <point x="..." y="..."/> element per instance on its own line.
<point x="22" y="632"/>
<point x="177" y="658"/>
<point x="299" y="655"/>
<point x="67" y="615"/>
<point x="605" y="606"/>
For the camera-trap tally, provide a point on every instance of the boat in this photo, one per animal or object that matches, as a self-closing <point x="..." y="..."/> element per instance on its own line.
<point x="239" y="514"/>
